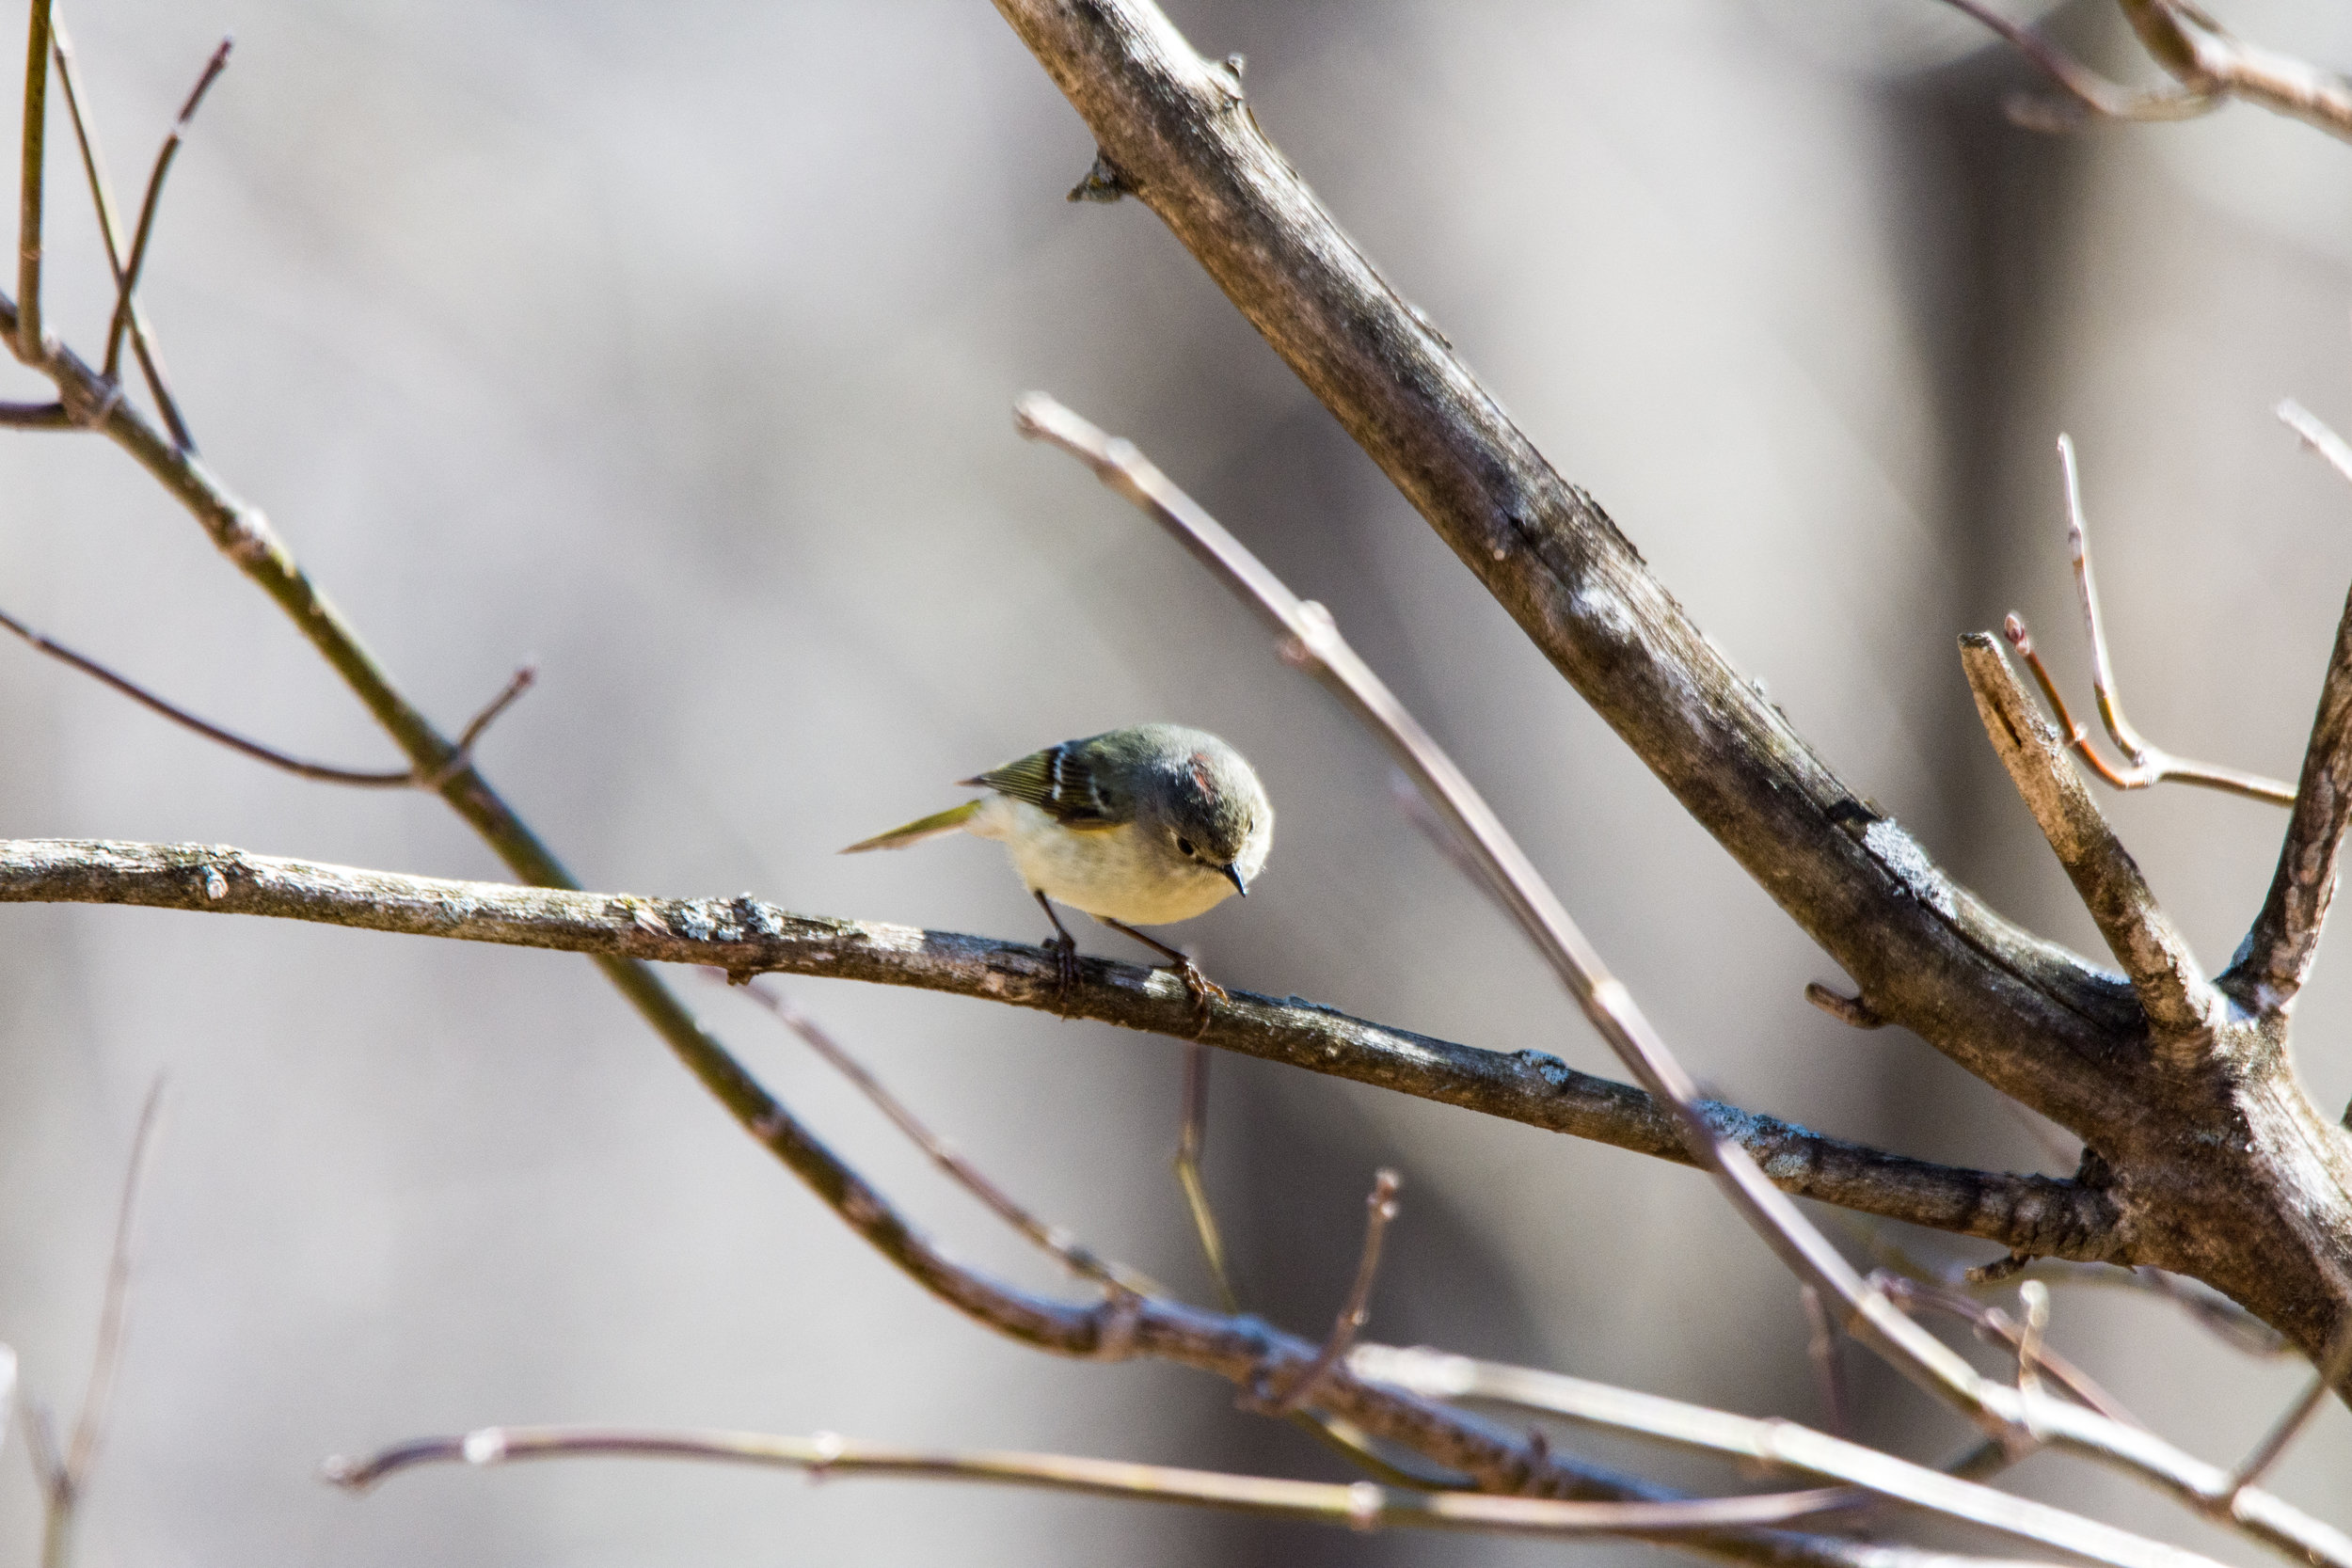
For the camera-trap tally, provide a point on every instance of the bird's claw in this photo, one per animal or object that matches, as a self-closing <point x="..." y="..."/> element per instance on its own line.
<point x="1200" y="988"/>
<point x="1065" y="950"/>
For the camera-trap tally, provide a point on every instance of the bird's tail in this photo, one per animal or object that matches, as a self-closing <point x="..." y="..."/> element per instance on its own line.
<point x="947" y="821"/>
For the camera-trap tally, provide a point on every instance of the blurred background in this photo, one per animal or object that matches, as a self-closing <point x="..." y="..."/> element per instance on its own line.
<point x="675" y="345"/>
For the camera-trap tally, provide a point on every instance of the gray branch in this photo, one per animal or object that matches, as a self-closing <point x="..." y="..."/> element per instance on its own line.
<point x="745" y="936"/>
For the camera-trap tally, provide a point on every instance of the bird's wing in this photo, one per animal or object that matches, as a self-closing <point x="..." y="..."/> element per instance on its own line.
<point x="1061" y="781"/>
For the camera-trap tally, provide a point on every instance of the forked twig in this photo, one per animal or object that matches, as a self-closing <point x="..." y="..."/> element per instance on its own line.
<point x="326" y="773"/>
<point x="1362" y="1506"/>
<point x="1073" y="1255"/>
<point x="1379" y="1210"/>
<point x="136" y="264"/>
<point x="110" y="233"/>
<point x="2146" y="764"/>
<point x="1994" y="1326"/>
<point x="2085" y="86"/>
<point x="1191" y="1138"/>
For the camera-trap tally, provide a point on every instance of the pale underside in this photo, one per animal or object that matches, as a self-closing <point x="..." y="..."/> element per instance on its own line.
<point x="1117" y="873"/>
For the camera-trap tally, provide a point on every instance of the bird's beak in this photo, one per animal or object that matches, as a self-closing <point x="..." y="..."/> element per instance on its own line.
<point x="1235" y="876"/>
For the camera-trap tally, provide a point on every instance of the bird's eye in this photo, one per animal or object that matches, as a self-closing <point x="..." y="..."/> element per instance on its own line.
<point x="1184" y="845"/>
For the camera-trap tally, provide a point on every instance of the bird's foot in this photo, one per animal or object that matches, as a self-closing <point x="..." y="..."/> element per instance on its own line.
<point x="1065" y="950"/>
<point x="1200" y="987"/>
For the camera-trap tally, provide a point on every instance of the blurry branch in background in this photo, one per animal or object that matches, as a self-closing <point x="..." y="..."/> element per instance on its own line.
<point x="2297" y="1415"/>
<point x="25" y="331"/>
<point x="127" y="281"/>
<point x="1192" y="1136"/>
<point x="1380" y="1211"/>
<point x="2147" y="764"/>
<point x="2210" y="64"/>
<point x="1362" y="1506"/>
<point x="1074" y="1256"/>
<point x="744" y="936"/>
<point x="1997" y="1327"/>
<point x="63" y="1472"/>
<point x="409" y="778"/>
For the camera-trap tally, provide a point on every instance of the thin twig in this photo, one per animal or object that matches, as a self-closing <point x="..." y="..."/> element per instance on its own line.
<point x="1852" y="1011"/>
<point x="2035" y="1298"/>
<point x="2147" y="764"/>
<point x="2314" y="434"/>
<point x="1191" y="1138"/>
<point x="1829" y="1371"/>
<point x="36" y="416"/>
<point x="2093" y="91"/>
<point x="2291" y="1423"/>
<point x="29" y="347"/>
<point x="1074" y="1256"/>
<point x="1362" y="1506"/>
<point x="110" y="232"/>
<point x="1379" y="1210"/>
<point x="324" y="772"/>
<point x="132" y="268"/>
<point x="71" y="1470"/>
<point x="2205" y="58"/>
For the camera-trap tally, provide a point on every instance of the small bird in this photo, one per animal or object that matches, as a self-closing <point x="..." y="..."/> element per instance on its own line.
<point x="1136" y="826"/>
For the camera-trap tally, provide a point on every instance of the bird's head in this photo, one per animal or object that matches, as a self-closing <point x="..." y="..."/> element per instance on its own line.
<point x="1212" y="811"/>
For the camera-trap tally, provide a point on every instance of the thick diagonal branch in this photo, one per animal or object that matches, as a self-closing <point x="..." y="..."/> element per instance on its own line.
<point x="745" y="936"/>
<point x="2025" y="1015"/>
<point x="2278" y="951"/>
<point x="2179" y="1002"/>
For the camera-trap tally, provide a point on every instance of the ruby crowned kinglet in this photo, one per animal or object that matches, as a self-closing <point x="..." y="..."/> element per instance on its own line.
<point x="1136" y="826"/>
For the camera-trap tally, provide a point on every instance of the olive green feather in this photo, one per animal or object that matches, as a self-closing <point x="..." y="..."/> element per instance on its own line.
<point x="920" y="829"/>
<point x="1064" y="783"/>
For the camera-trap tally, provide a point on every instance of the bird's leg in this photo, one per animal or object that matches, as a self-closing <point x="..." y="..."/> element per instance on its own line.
<point x="1201" y="987"/>
<point x="1065" y="948"/>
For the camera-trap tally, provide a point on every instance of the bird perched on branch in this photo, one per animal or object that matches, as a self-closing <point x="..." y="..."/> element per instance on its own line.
<point x="1136" y="826"/>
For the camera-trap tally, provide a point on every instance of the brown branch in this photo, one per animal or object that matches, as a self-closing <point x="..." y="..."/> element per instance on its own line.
<point x="2290" y="1424"/>
<point x="1995" y="1326"/>
<point x="1361" y="1507"/>
<point x="2206" y="59"/>
<point x="110" y="232"/>
<point x="1820" y="1349"/>
<point x="149" y="205"/>
<point x="322" y="773"/>
<point x="745" y="937"/>
<point x="37" y="416"/>
<point x="2181" y="1005"/>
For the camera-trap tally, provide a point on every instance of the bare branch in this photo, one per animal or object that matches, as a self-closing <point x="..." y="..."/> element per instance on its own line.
<point x="2086" y="87"/>
<point x="325" y="773"/>
<point x="1829" y="1372"/>
<point x="1078" y="1259"/>
<point x="1995" y="1326"/>
<point x="37" y="416"/>
<point x="110" y="231"/>
<point x="1849" y="1010"/>
<point x="1781" y="1445"/>
<point x="2206" y="59"/>
<point x="1191" y="1138"/>
<point x="27" y="332"/>
<point x="1380" y="1209"/>
<point x="1361" y="1507"/>
<point x="745" y="937"/>
<point x="128" y="283"/>
<point x="2181" y="1003"/>
<point x="2277" y="957"/>
<point x="2314" y="434"/>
